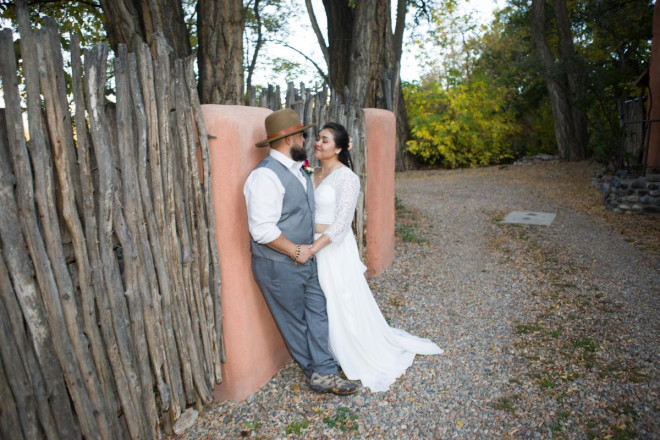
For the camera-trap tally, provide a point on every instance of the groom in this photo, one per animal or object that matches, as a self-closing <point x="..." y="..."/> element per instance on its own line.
<point x="280" y="205"/>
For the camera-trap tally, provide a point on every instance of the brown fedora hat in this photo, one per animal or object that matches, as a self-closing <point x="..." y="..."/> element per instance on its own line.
<point x="282" y="123"/>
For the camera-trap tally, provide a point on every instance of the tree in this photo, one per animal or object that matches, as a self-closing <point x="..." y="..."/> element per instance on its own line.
<point x="615" y="42"/>
<point x="563" y="81"/>
<point x="219" y="34"/>
<point x="449" y="47"/>
<point x="220" y="25"/>
<point x="269" y="21"/>
<point x="467" y="125"/>
<point x="608" y="50"/>
<point x="506" y="57"/>
<point x="363" y="56"/>
<point x="134" y="21"/>
<point x="80" y="17"/>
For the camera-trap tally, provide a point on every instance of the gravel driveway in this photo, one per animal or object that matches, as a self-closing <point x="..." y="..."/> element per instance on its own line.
<point x="548" y="331"/>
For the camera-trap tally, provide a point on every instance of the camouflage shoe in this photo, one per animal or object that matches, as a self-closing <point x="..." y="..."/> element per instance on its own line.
<point x="332" y="383"/>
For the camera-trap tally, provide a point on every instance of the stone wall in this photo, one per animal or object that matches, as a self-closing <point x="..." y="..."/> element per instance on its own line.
<point x="631" y="194"/>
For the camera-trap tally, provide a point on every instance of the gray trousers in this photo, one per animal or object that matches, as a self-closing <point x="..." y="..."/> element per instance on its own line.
<point x="298" y="306"/>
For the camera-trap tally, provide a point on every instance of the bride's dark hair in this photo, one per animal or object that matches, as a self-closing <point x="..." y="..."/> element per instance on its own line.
<point x="342" y="140"/>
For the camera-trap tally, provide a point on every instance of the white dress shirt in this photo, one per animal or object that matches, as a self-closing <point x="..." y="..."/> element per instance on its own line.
<point x="264" y="194"/>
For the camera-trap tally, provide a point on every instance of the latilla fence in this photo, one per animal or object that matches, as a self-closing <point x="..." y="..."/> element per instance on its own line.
<point x="110" y="312"/>
<point x="110" y="316"/>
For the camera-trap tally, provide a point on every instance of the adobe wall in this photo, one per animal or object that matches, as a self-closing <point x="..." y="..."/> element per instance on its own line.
<point x="255" y="349"/>
<point x="381" y="149"/>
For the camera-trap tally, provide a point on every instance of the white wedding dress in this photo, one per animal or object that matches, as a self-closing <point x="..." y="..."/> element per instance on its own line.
<point x="365" y="346"/>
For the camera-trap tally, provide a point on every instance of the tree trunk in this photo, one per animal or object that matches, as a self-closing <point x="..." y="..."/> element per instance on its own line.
<point x="220" y="54"/>
<point x="257" y="48"/>
<point x="370" y="49"/>
<point x="363" y="57"/>
<point x="340" y="19"/>
<point x="131" y="21"/>
<point x="571" y="139"/>
<point x="573" y="67"/>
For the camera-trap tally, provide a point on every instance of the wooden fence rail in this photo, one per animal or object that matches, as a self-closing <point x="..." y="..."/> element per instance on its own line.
<point x="110" y="312"/>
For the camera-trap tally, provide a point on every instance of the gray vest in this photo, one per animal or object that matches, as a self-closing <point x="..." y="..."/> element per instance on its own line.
<point x="297" y="219"/>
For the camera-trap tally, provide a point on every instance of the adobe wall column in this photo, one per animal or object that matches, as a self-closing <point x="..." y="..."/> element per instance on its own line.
<point x="653" y="158"/>
<point x="254" y="346"/>
<point x="381" y="147"/>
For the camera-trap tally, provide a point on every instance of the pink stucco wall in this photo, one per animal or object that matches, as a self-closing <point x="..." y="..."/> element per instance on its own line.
<point x="254" y="346"/>
<point x="381" y="142"/>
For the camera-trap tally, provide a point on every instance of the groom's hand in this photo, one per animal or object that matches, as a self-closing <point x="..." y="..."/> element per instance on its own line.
<point x="305" y="253"/>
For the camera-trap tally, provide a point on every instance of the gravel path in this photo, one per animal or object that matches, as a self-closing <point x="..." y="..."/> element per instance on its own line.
<point x="549" y="332"/>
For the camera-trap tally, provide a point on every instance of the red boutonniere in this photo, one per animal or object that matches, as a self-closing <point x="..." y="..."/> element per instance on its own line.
<point x="307" y="168"/>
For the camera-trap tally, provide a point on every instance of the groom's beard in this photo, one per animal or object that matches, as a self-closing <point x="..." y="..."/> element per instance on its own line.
<point x="298" y="154"/>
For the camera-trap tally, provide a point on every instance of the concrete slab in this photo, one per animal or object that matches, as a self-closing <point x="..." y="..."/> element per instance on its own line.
<point x="529" y="218"/>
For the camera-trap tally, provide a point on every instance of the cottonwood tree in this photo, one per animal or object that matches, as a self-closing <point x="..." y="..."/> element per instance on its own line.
<point x="363" y="55"/>
<point x="132" y="22"/>
<point x="220" y="25"/>
<point x="563" y="80"/>
<point x="219" y="35"/>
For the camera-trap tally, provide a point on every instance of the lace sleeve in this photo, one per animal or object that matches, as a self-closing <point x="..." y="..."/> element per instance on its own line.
<point x="347" y="189"/>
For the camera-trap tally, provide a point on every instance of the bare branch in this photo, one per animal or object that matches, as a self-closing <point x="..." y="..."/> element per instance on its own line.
<point x="318" y="68"/>
<point x="257" y="46"/>
<point x="401" y="9"/>
<point x="317" y="31"/>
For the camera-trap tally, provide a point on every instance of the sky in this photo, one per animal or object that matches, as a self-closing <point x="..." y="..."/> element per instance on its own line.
<point x="482" y="10"/>
<point x="304" y="39"/>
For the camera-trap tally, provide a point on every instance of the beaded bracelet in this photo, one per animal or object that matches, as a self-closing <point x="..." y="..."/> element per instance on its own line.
<point x="295" y="256"/>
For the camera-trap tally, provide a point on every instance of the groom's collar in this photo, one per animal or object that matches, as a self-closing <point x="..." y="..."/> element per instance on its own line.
<point x="285" y="160"/>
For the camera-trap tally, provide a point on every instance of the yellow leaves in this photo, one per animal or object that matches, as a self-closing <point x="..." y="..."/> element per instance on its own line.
<point x="459" y="423"/>
<point x="466" y="125"/>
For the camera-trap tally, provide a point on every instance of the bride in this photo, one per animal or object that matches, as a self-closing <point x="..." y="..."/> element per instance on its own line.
<point x="366" y="347"/>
